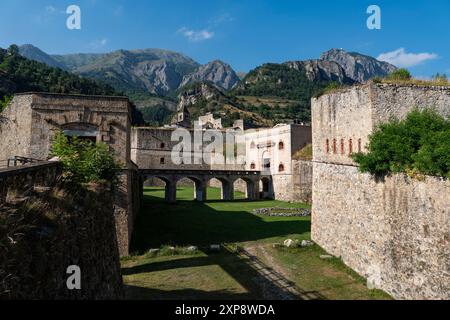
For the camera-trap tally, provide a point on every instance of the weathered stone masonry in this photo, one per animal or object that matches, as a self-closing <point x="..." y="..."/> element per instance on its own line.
<point x="396" y="231"/>
<point x="33" y="119"/>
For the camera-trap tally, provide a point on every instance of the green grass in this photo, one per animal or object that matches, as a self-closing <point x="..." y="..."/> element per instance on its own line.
<point x="175" y="273"/>
<point x="213" y="222"/>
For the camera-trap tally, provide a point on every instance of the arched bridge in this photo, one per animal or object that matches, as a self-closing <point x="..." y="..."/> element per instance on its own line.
<point x="201" y="179"/>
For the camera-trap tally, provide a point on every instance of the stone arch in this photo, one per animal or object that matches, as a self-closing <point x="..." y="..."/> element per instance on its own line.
<point x="83" y="130"/>
<point x="226" y="186"/>
<point x="266" y="186"/>
<point x="170" y="186"/>
<point x="266" y="161"/>
<point x="248" y="186"/>
<point x="200" y="186"/>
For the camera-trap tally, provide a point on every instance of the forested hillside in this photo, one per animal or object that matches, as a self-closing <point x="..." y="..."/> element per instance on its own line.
<point x="18" y="74"/>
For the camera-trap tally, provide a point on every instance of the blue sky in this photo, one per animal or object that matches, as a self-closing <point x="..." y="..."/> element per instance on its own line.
<point x="243" y="33"/>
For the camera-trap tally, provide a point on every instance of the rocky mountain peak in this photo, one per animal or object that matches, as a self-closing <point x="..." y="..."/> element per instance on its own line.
<point x="217" y="72"/>
<point x="357" y="66"/>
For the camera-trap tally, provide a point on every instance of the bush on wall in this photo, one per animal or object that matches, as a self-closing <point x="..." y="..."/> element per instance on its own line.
<point x="85" y="161"/>
<point x="419" y="144"/>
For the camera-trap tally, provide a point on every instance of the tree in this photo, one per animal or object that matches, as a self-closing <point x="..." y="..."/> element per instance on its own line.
<point x="420" y="143"/>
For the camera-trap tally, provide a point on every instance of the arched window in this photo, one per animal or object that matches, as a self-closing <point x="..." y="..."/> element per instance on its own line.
<point x="350" y="146"/>
<point x="253" y="166"/>
<point x="252" y="145"/>
<point x="281" y="168"/>
<point x="342" y="147"/>
<point x="163" y="145"/>
<point x="359" y="145"/>
<point x="334" y="146"/>
<point x="281" y="145"/>
<point x="327" y="145"/>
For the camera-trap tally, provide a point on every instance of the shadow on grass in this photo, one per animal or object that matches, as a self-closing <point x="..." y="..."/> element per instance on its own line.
<point x="194" y="223"/>
<point x="259" y="281"/>
<point x="213" y="222"/>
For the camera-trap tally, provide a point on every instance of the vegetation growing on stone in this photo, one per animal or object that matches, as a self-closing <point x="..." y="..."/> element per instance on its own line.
<point x="4" y="102"/>
<point x="84" y="161"/>
<point x="418" y="144"/>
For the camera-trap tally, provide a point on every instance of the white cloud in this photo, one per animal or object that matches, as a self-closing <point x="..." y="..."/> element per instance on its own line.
<point x="402" y="59"/>
<point x="196" y="36"/>
<point x="50" y="9"/>
<point x="97" y="44"/>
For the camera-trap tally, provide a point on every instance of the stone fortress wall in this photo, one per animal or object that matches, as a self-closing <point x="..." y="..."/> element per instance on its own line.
<point x="32" y="120"/>
<point x="395" y="231"/>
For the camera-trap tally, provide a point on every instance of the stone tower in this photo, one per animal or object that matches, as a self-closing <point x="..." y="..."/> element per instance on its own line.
<point x="182" y="118"/>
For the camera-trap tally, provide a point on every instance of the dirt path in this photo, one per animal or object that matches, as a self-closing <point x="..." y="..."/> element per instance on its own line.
<point x="273" y="278"/>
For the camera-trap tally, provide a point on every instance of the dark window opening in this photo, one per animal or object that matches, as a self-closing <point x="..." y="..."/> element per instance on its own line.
<point x="162" y="161"/>
<point x="281" y="145"/>
<point x="281" y="168"/>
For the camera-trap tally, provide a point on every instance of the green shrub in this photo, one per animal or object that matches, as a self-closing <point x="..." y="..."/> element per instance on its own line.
<point x="4" y="102"/>
<point x="420" y="143"/>
<point x="400" y="74"/>
<point x="85" y="161"/>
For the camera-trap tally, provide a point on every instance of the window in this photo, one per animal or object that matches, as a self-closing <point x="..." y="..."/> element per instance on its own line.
<point x="253" y="166"/>
<point x="162" y="161"/>
<point x="342" y="147"/>
<point x="350" y="146"/>
<point x="281" y="168"/>
<point x="281" y="145"/>
<point x="252" y="145"/>
<point x="327" y="146"/>
<point x="163" y="145"/>
<point x="334" y="146"/>
<point x="359" y="145"/>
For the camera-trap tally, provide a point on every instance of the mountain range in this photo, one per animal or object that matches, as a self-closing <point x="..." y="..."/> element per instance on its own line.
<point x="164" y="72"/>
<point x="268" y="94"/>
<point x="154" y="71"/>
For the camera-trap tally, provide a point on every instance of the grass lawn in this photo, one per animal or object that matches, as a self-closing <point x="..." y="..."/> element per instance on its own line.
<point x="248" y="267"/>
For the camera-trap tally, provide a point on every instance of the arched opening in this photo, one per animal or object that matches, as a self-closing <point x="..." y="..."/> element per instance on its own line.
<point x="219" y="189"/>
<point x="83" y="131"/>
<point x="334" y="146"/>
<point x="241" y="189"/>
<point x="281" y="168"/>
<point x="191" y="188"/>
<point x="252" y="166"/>
<point x="327" y="146"/>
<point x="266" y="187"/>
<point x="350" y="146"/>
<point x="266" y="162"/>
<point x="342" y="147"/>
<point x="160" y="188"/>
<point x="281" y="145"/>
<point x="162" y="145"/>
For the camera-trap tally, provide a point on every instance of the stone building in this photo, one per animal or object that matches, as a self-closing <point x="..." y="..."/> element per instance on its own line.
<point x="32" y="120"/>
<point x="271" y="151"/>
<point x="395" y="232"/>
